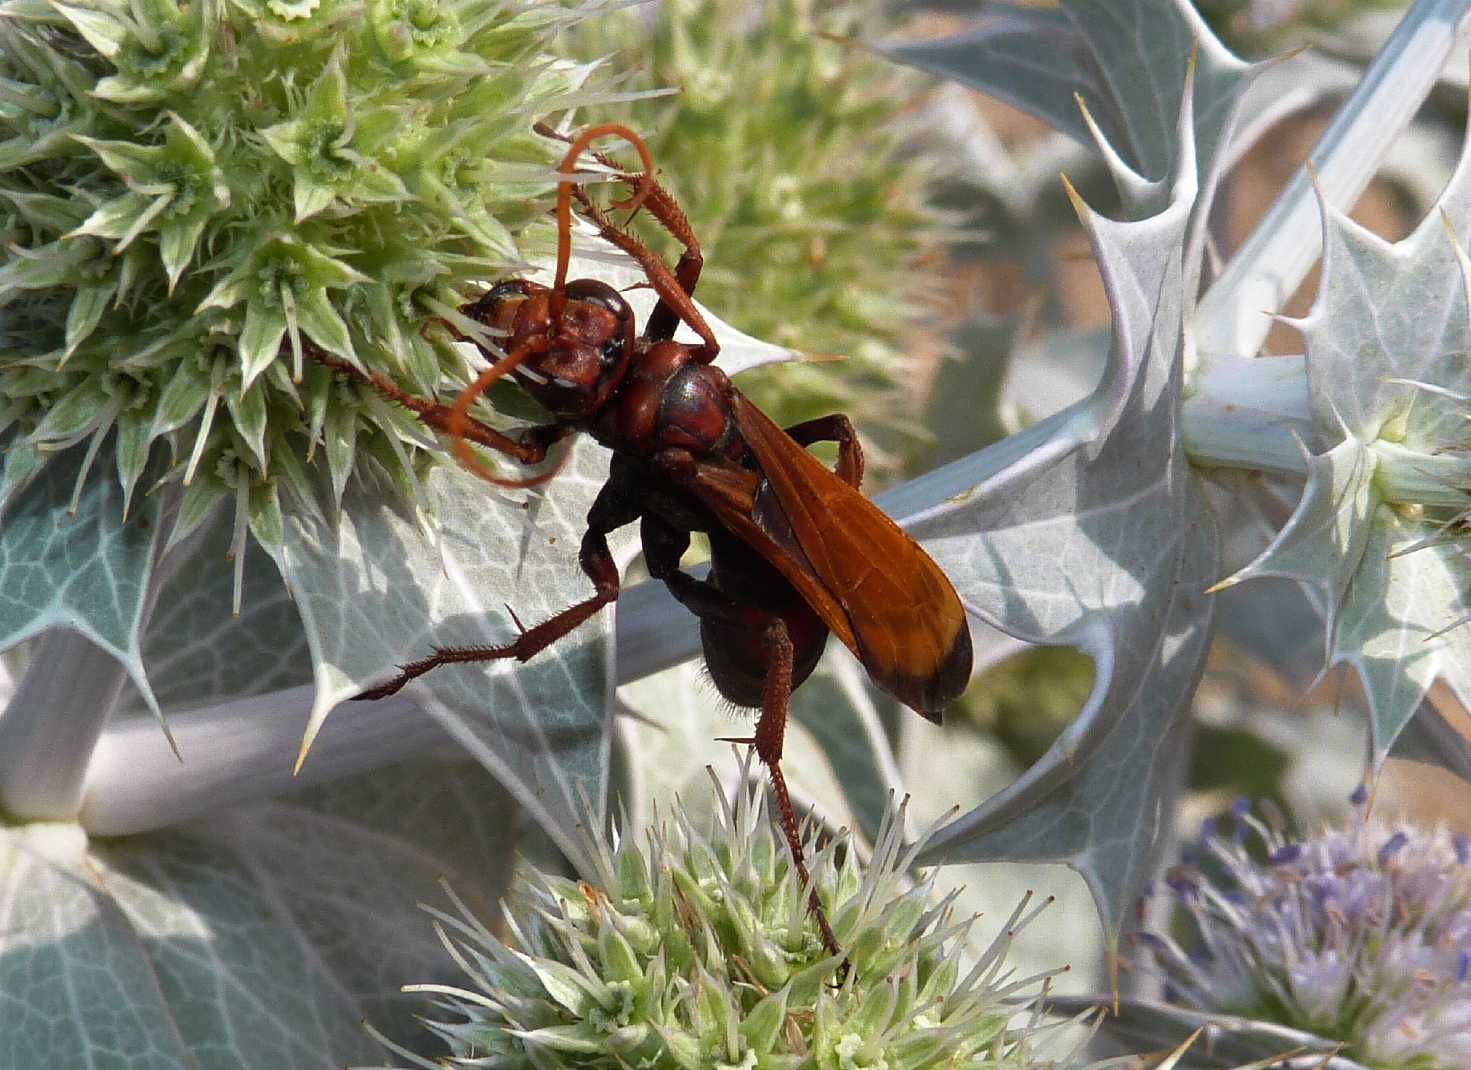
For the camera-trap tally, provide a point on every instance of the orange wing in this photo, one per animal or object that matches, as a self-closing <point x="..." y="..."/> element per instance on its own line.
<point x="871" y="583"/>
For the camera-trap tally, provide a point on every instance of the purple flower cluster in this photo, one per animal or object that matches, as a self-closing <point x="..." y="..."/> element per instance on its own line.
<point x="1360" y="935"/>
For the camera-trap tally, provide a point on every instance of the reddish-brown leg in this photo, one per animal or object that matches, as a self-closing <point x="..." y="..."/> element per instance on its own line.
<point x="664" y="320"/>
<point x="674" y="298"/>
<point x="613" y="508"/>
<point x="531" y="449"/>
<point x="663" y="544"/>
<point x="770" y="735"/>
<point x="834" y="428"/>
<point x="666" y="211"/>
<point x="557" y="299"/>
<point x="658" y="200"/>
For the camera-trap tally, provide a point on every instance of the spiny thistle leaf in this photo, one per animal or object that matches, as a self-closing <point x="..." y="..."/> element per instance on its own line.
<point x="1092" y="533"/>
<point x="375" y="588"/>
<point x="1125" y="63"/>
<point x="1390" y="319"/>
<point x="68" y="560"/>
<point x="197" y="652"/>
<point x="244" y="936"/>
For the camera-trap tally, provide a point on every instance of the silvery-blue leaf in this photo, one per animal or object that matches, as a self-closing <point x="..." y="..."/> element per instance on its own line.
<point x="196" y="651"/>
<point x="377" y="587"/>
<point x="262" y="937"/>
<point x="1085" y="530"/>
<point x="83" y="568"/>
<point x="1387" y="374"/>
<point x="1126" y="59"/>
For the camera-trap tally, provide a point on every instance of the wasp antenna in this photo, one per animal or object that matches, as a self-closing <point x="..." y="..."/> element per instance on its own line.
<point x="510" y="484"/>
<point x="459" y="416"/>
<point x="564" y="200"/>
<point x="530" y="481"/>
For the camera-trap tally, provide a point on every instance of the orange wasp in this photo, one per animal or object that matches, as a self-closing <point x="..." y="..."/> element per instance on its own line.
<point x="796" y="552"/>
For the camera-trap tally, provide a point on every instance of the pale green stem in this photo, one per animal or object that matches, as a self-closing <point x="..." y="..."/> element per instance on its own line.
<point x="52" y="724"/>
<point x="1412" y="478"/>
<point x="1253" y="415"/>
<point x="1250" y="414"/>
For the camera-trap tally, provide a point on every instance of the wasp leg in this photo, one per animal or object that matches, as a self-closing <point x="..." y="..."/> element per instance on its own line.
<point x="613" y="508"/>
<point x="530" y="449"/>
<point x="835" y="428"/>
<point x="663" y="545"/>
<point x="770" y="735"/>
<point x="674" y="298"/>
<point x="664" y="320"/>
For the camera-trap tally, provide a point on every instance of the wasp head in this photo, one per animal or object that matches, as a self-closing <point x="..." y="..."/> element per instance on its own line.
<point x="587" y="348"/>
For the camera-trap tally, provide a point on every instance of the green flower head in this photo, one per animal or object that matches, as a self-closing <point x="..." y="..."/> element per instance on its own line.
<point x="190" y="190"/>
<point x="692" y="950"/>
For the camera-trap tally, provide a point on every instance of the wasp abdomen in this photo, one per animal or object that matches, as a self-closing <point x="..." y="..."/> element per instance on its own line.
<point x="735" y="645"/>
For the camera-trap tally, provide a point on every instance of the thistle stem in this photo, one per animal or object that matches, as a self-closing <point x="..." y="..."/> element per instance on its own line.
<point x="1250" y="414"/>
<point x="238" y="752"/>
<point x="1271" y="264"/>
<point x="52" y="723"/>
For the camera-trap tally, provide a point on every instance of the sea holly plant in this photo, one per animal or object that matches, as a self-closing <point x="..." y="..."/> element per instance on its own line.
<point x="199" y="527"/>
<point x="1372" y="402"/>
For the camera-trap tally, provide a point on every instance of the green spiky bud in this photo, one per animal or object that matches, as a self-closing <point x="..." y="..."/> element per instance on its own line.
<point x="695" y="950"/>
<point x="187" y="190"/>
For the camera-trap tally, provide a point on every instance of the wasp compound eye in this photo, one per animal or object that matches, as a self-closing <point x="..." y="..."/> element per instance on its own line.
<point x="504" y="291"/>
<point x="600" y="294"/>
<point x="497" y="307"/>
